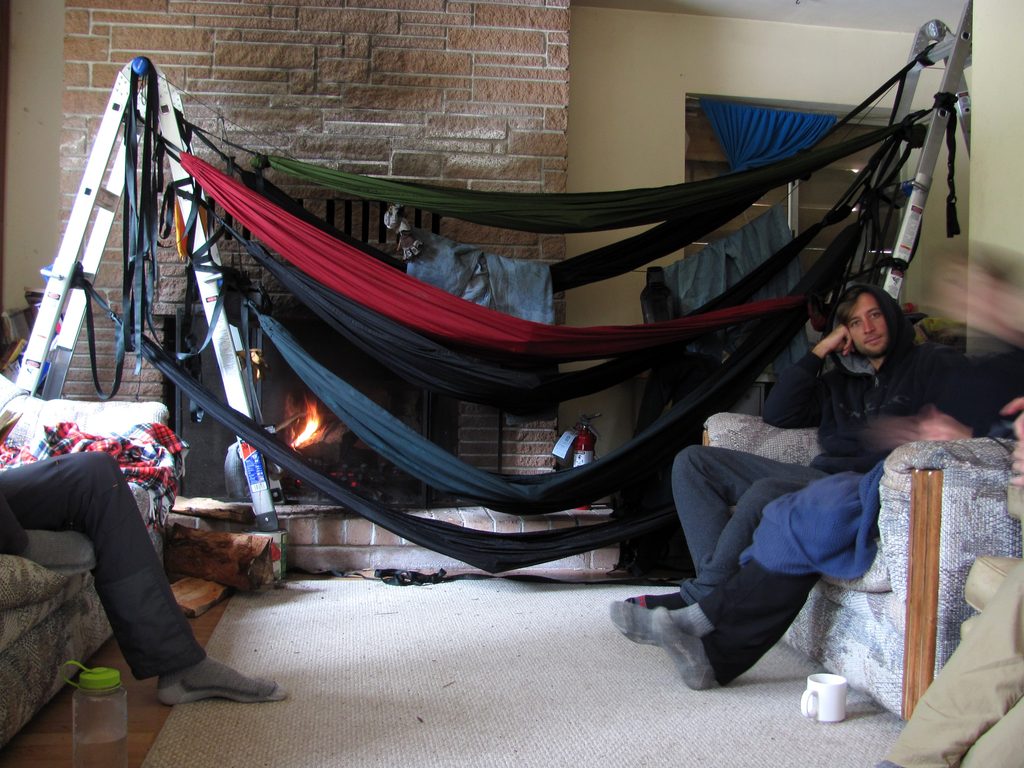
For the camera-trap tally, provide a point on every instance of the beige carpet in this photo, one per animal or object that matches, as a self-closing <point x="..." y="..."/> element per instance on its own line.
<point x="490" y="673"/>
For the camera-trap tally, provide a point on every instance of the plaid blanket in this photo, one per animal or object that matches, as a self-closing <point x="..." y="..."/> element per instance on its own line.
<point x="150" y="456"/>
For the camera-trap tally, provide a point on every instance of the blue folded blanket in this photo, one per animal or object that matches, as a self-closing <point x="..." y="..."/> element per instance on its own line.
<point x="829" y="527"/>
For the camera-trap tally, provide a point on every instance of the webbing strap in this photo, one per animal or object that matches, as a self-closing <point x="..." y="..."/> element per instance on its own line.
<point x="79" y="281"/>
<point x="143" y="180"/>
<point x="947" y="101"/>
<point x="899" y="77"/>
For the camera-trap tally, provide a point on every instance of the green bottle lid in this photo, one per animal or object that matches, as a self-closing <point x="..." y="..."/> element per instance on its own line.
<point x="99" y="678"/>
<point x="95" y="678"/>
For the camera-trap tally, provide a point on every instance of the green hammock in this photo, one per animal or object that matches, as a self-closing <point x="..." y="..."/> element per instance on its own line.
<point x="586" y="211"/>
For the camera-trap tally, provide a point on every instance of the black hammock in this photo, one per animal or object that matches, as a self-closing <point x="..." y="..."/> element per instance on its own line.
<point x="497" y="552"/>
<point x="548" y="493"/>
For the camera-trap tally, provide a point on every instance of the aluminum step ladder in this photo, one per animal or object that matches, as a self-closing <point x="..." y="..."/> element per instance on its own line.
<point x="55" y="332"/>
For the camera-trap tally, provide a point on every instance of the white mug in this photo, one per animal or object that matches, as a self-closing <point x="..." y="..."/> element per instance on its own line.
<point x="825" y="698"/>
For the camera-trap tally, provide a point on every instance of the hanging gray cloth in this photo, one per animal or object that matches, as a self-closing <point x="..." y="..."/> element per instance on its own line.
<point x="721" y="264"/>
<point x="517" y="287"/>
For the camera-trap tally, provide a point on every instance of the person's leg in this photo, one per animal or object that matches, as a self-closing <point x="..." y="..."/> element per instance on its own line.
<point x="750" y="613"/>
<point x="725" y="634"/>
<point x="87" y="492"/>
<point x="707" y="483"/>
<point x="724" y="558"/>
<point x="981" y="682"/>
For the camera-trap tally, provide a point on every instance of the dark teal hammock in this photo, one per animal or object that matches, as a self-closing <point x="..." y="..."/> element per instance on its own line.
<point x="492" y="552"/>
<point x="548" y="492"/>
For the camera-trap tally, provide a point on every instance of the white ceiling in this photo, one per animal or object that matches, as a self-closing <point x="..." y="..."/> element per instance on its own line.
<point x="883" y="15"/>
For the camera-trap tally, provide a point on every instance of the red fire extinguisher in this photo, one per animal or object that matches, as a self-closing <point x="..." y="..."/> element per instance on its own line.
<point x="585" y="442"/>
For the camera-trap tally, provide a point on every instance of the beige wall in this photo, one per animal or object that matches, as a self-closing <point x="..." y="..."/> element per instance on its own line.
<point x="998" y="124"/>
<point x="630" y="72"/>
<point x="32" y="208"/>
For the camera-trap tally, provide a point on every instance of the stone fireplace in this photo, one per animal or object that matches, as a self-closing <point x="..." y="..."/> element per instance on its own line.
<point x="300" y="419"/>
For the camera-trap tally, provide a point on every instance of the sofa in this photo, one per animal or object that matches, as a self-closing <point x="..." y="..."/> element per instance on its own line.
<point x="49" y="609"/>
<point x="942" y="505"/>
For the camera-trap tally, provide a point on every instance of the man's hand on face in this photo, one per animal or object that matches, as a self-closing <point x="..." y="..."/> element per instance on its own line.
<point x="838" y="341"/>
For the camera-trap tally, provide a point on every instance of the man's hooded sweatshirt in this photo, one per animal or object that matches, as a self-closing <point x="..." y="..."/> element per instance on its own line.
<point x="843" y="401"/>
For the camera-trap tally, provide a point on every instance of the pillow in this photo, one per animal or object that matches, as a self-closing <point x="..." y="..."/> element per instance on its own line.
<point x="62" y="551"/>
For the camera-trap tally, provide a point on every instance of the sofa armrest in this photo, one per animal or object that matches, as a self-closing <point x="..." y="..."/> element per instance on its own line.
<point x="743" y="432"/>
<point x="943" y="503"/>
<point x="974" y="520"/>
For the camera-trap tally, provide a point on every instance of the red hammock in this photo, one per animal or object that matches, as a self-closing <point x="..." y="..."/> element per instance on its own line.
<point x="431" y="310"/>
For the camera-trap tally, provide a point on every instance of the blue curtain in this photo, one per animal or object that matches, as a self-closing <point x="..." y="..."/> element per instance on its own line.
<point x="756" y="136"/>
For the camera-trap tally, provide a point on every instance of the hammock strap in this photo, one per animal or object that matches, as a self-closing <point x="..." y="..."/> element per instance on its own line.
<point x="899" y="77"/>
<point x="78" y="280"/>
<point x="142" y="184"/>
<point x="947" y="102"/>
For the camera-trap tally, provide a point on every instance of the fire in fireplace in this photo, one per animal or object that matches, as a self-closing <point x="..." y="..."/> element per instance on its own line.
<point x="291" y="410"/>
<point x="326" y="443"/>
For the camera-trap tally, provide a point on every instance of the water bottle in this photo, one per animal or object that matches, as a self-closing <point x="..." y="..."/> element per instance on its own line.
<point x="656" y="297"/>
<point x="99" y="718"/>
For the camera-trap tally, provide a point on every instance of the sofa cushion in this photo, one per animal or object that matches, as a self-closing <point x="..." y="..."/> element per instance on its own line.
<point x="23" y="582"/>
<point x="61" y="551"/>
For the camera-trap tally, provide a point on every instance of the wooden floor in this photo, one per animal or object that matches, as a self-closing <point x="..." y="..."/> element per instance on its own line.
<point x="46" y="741"/>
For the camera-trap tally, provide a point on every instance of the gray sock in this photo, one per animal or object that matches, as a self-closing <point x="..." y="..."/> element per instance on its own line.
<point x="692" y="620"/>
<point x="685" y="650"/>
<point x="637" y="622"/>
<point x="211" y="679"/>
<point x="633" y="620"/>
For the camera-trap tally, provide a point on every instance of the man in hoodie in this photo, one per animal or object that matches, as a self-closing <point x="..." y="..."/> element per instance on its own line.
<point x="878" y="372"/>
<point x="827" y="528"/>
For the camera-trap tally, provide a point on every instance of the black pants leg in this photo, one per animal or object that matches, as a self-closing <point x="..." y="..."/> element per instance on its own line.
<point x="750" y="613"/>
<point x="86" y="492"/>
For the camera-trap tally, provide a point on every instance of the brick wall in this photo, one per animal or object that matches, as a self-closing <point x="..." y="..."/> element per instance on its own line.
<point x="468" y="94"/>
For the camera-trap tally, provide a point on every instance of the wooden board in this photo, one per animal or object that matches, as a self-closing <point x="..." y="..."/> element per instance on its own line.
<point x="196" y="596"/>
